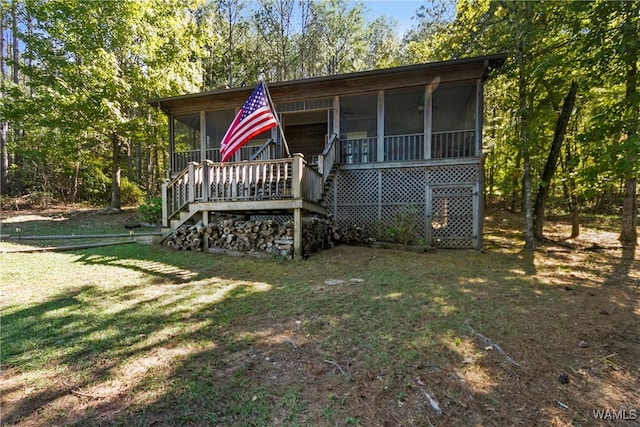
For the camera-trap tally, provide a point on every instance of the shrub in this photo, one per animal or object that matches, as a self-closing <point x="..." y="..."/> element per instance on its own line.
<point x="130" y="193"/>
<point x="151" y="210"/>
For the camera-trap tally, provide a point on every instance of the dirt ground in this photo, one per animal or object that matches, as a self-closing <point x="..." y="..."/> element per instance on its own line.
<point x="581" y="345"/>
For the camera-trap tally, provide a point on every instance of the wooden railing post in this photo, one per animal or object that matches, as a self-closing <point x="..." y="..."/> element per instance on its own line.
<point x="165" y="207"/>
<point x="192" y="182"/>
<point x="296" y="177"/>
<point x="206" y="185"/>
<point x="296" y="192"/>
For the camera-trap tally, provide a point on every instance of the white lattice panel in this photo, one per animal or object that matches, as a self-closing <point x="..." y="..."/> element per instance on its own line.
<point x="358" y="187"/>
<point x="395" y="216"/>
<point x="452" y="217"/>
<point x="403" y="186"/>
<point x="374" y="198"/>
<point x="359" y="216"/>
<point x="452" y="175"/>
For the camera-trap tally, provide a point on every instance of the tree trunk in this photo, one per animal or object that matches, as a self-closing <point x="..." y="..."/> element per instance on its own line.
<point x="516" y="184"/>
<point x="628" y="231"/>
<point x="4" y="128"/>
<point x="14" y="31"/>
<point x="552" y="160"/>
<point x="569" y="186"/>
<point x="115" y="173"/>
<point x="524" y="134"/>
<point x="74" y="189"/>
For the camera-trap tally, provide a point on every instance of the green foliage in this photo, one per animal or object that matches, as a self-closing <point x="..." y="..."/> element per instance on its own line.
<point x="403" y="230"/>
<point x="130" y="193"/>
<point x="151" y="210"/>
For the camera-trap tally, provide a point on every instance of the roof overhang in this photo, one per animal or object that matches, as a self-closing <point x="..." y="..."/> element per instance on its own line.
<point x="341" y="84"/>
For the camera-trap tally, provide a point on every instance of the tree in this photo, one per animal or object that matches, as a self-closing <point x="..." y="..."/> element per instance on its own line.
<point x="92" y="66"/>
<point x="4" y="127"/>
<point x="274" y="21"/>
<point x="611" y="43"/>
<point x="552" y="160"/>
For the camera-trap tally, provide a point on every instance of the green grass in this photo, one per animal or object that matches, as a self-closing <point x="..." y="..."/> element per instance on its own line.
<point x="157" y="337"/>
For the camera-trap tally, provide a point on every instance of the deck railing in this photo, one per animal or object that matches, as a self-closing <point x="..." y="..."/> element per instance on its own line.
<point x="444" y="145"/>
<point x="256" y="180"/>
<point x="180" y="159"/>
<point x="404" y="147"/>
<point x="241" y="181"/>
<point x="452" y="144"/>
<point x="360" y="150"/>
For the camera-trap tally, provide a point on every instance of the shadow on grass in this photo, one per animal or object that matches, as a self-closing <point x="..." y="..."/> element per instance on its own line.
<point x="257" y="342"/>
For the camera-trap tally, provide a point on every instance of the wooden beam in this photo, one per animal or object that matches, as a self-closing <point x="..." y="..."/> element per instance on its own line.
<point x="65" y="248"/>
<point x="297" y="233"/>
<point x="380" y="128"/>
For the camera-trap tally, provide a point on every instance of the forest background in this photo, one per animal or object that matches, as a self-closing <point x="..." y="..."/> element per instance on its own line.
<point x="561" y="117"/>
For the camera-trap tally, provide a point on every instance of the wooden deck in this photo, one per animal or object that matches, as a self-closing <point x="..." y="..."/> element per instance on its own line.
<point x="248" y="187"/>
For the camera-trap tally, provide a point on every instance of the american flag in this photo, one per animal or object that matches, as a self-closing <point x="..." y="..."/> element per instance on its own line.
<point x="254" y="117"/>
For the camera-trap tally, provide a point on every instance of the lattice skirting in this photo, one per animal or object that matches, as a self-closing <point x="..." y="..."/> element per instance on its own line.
<point x="435" y="206"/>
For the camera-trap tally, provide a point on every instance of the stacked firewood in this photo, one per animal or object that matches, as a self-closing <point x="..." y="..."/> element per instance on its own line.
<point x="236" y="234"/>
<point x="352" y="235"/>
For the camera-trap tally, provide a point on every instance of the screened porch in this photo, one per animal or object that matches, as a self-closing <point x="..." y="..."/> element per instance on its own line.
<point x="407" y="124"/>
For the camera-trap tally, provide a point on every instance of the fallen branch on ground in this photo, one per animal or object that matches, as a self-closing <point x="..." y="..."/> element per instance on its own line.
<point x="77" y="392"/>
<point x="331" y="362"/>
<point x="492" y="344"/>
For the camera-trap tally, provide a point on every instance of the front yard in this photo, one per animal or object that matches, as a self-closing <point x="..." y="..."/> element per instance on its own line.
<point x="143" y="335"/>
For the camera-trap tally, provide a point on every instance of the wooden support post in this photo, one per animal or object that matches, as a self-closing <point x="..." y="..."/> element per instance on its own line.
<point x="296" y="175"/>
<point x="380" y="151"/>
<point x="165" y="205"/>
<point x="192" y="182"/>
<point x="297" y="233"/>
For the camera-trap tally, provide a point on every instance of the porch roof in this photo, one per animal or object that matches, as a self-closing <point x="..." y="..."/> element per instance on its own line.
<point x="341" y="84"/>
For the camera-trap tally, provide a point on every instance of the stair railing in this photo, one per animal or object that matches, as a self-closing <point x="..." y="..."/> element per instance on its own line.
<point x="327" y="159"/>
<point x="267" y="151"/>
<point x="180" y="191"/>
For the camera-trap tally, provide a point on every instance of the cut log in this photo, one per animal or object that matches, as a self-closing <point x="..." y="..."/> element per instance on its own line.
<point x="264" y="236"/>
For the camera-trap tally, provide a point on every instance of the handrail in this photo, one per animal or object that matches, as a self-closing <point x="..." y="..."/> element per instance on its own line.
<point x="184" y="172"/>
<point x="330" y="144"/>
<point x="179" y="192"/>
<point x="258" y="154"/>
<point x="327" y="159"/>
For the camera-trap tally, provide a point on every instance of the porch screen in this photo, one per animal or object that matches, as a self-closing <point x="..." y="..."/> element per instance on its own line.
<point x="358" y="128"/>
<point x="404" y="111"/>
<point x="404" y="124"/>
<point x="186" y="132"/>
<point x="358" y="116"/>
<point x="454" y="121"/>
<point x="217" y="124"/>
<point x="454" y="108"/>
<point x="186" y="141"/>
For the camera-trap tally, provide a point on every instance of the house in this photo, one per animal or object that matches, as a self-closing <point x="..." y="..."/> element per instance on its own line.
<point x="371" y="149"/>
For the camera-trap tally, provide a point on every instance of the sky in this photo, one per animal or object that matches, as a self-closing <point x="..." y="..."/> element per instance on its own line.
<point x="401" y="10"/>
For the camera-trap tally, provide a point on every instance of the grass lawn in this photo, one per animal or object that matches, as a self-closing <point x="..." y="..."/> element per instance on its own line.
<point x="140" y="335"/>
